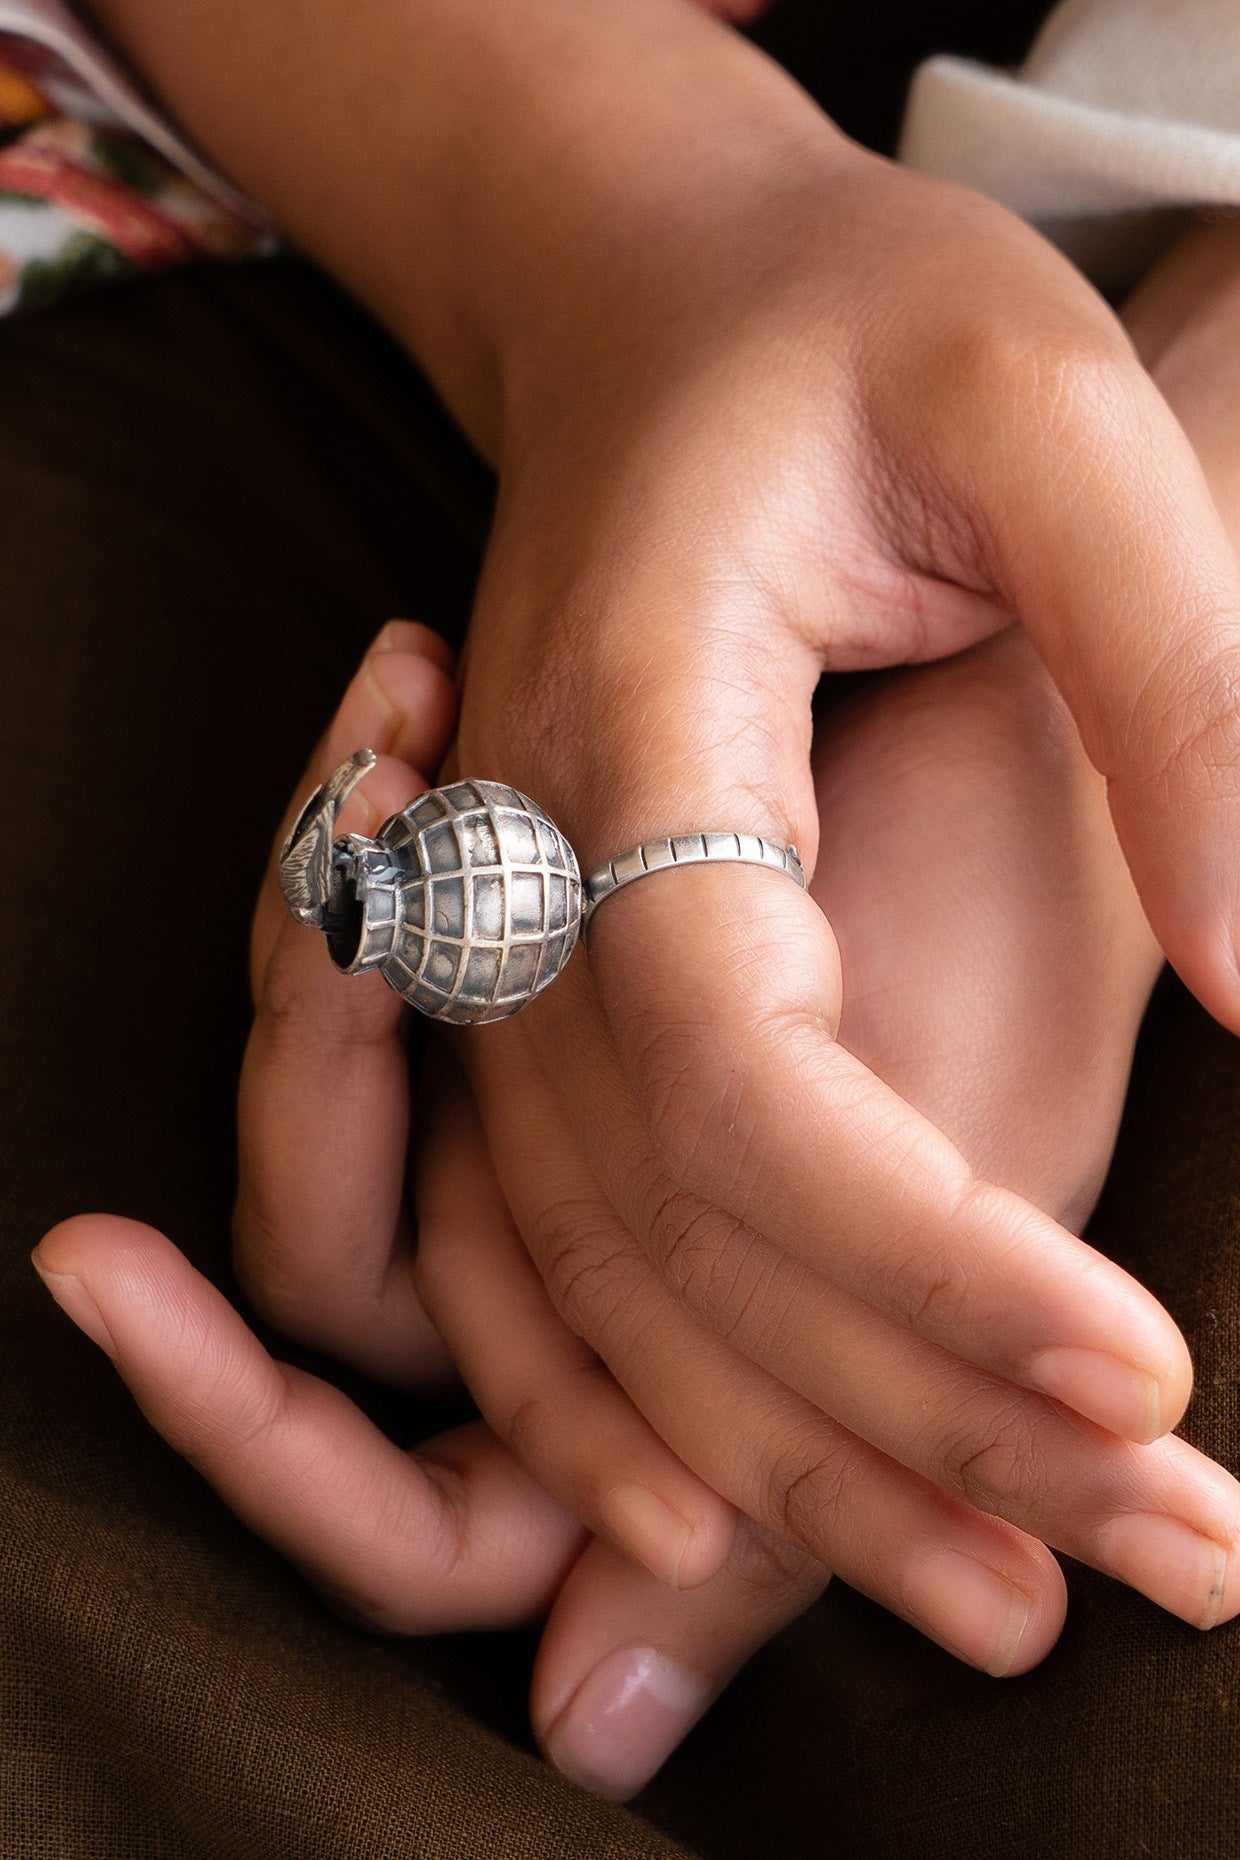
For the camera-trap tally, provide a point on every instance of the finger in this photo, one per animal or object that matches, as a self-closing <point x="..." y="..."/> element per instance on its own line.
<point x="786" y="1463"/>
<point x="1163" y="1518"/>
<point x="1105" y="539"/>
<point x="625" y="1667"/>
<point x="322" y="1240"/>
<point x="720" y="991"/>
<point x="458" y="1537"/>
<point x="988" y="1593"/>
<point x="454" y="1536"/>
<point x="543" y="1392"/>
<point x="805" y="1148"/>
<point x="400" y="703"/>
<point x="321" y="1235"/>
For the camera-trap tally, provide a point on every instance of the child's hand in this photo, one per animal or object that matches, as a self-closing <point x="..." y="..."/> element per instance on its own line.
<point x="459" y="1534"/>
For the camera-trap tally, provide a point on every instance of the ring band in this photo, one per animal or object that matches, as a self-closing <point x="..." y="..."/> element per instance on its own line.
<point x="686" y="849"/>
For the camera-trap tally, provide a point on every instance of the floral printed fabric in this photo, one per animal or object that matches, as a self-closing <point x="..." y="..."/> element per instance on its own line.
<point x="93" y="186"/>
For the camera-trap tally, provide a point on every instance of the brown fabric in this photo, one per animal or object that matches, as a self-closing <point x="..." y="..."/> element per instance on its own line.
<point x="213" y="490"/>
<point x="193" y="551"/>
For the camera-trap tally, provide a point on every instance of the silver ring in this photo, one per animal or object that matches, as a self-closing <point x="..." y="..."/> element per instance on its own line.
<point x="687" y="849"/>
<point x="468" y="902"/>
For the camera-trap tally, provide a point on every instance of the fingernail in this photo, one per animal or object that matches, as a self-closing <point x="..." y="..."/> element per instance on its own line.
<point x="1115" y="1394"/>
<point x="76" y="1303"/>
<point x="649" y="1530"/>
<point x="396" y="636"/>
<point x="1170" y="1562"/>
<point x="978" y="1614"/>
<point x="389" y="640"/>
<point x="624" y="1721"/>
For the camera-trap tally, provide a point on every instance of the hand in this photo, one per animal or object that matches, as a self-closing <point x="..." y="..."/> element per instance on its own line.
<point x="763" y="406"/>
<point x="825" y="450"/>
<point x="457" y="1536"/>
<point x="951" y="424"/>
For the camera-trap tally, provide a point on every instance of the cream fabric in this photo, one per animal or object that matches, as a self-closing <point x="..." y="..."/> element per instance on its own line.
<point x="1125" y="114"/>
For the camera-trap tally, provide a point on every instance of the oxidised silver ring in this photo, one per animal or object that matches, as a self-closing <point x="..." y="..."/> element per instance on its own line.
<point x="687" y="849"/>
<point x="467" y="902"/>
<point x="470" y="900"/>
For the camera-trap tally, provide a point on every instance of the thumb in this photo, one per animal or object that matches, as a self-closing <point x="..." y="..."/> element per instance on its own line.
<point x="1110" y="548"/>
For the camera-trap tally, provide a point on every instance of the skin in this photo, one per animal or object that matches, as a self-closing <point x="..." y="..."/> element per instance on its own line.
<point x="970" y="770"/>
<point x="461" y="1534"/>
<point x="741" y="443"/>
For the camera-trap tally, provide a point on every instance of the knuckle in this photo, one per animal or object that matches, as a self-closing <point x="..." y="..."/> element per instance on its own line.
<point x="806" y="1493"/>
<point x="929" y="1294"/>
<point x="534" y="1422"/>
<point x="933" y="1282"/>
<point x="1067" y="373"/>
<point x="394" y="1573"/>
<point x="688" y="1240"/>
<point x="586" y="1261"/>
<point x="992" y="1457"/>
<point x="723" y="1269"/>
<point x="223" y="1413"/>
<point x="1184" y="732"/>
<point x="526" y="1425"/>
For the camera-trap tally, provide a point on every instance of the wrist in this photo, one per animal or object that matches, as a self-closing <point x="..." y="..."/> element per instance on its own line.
<point x="634" y="178"/>
<point x="497" y="163"/>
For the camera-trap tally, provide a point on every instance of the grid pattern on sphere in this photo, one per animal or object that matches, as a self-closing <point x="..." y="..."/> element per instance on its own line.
<point x="372" y="871"/>
<point x="490" y="901"/>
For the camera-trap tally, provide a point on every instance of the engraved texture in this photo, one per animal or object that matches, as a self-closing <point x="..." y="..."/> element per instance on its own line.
<point x="687" y="849"/>
<point x="486" y="902"/>
<point x="305" y="864"/>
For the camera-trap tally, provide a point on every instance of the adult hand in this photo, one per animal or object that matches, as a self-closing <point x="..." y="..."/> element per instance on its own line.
<point x="968" y="770"/>
<point x="754" y="440"/>
<point x="459" y="1534"/>
<point x="762" y="406"/>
